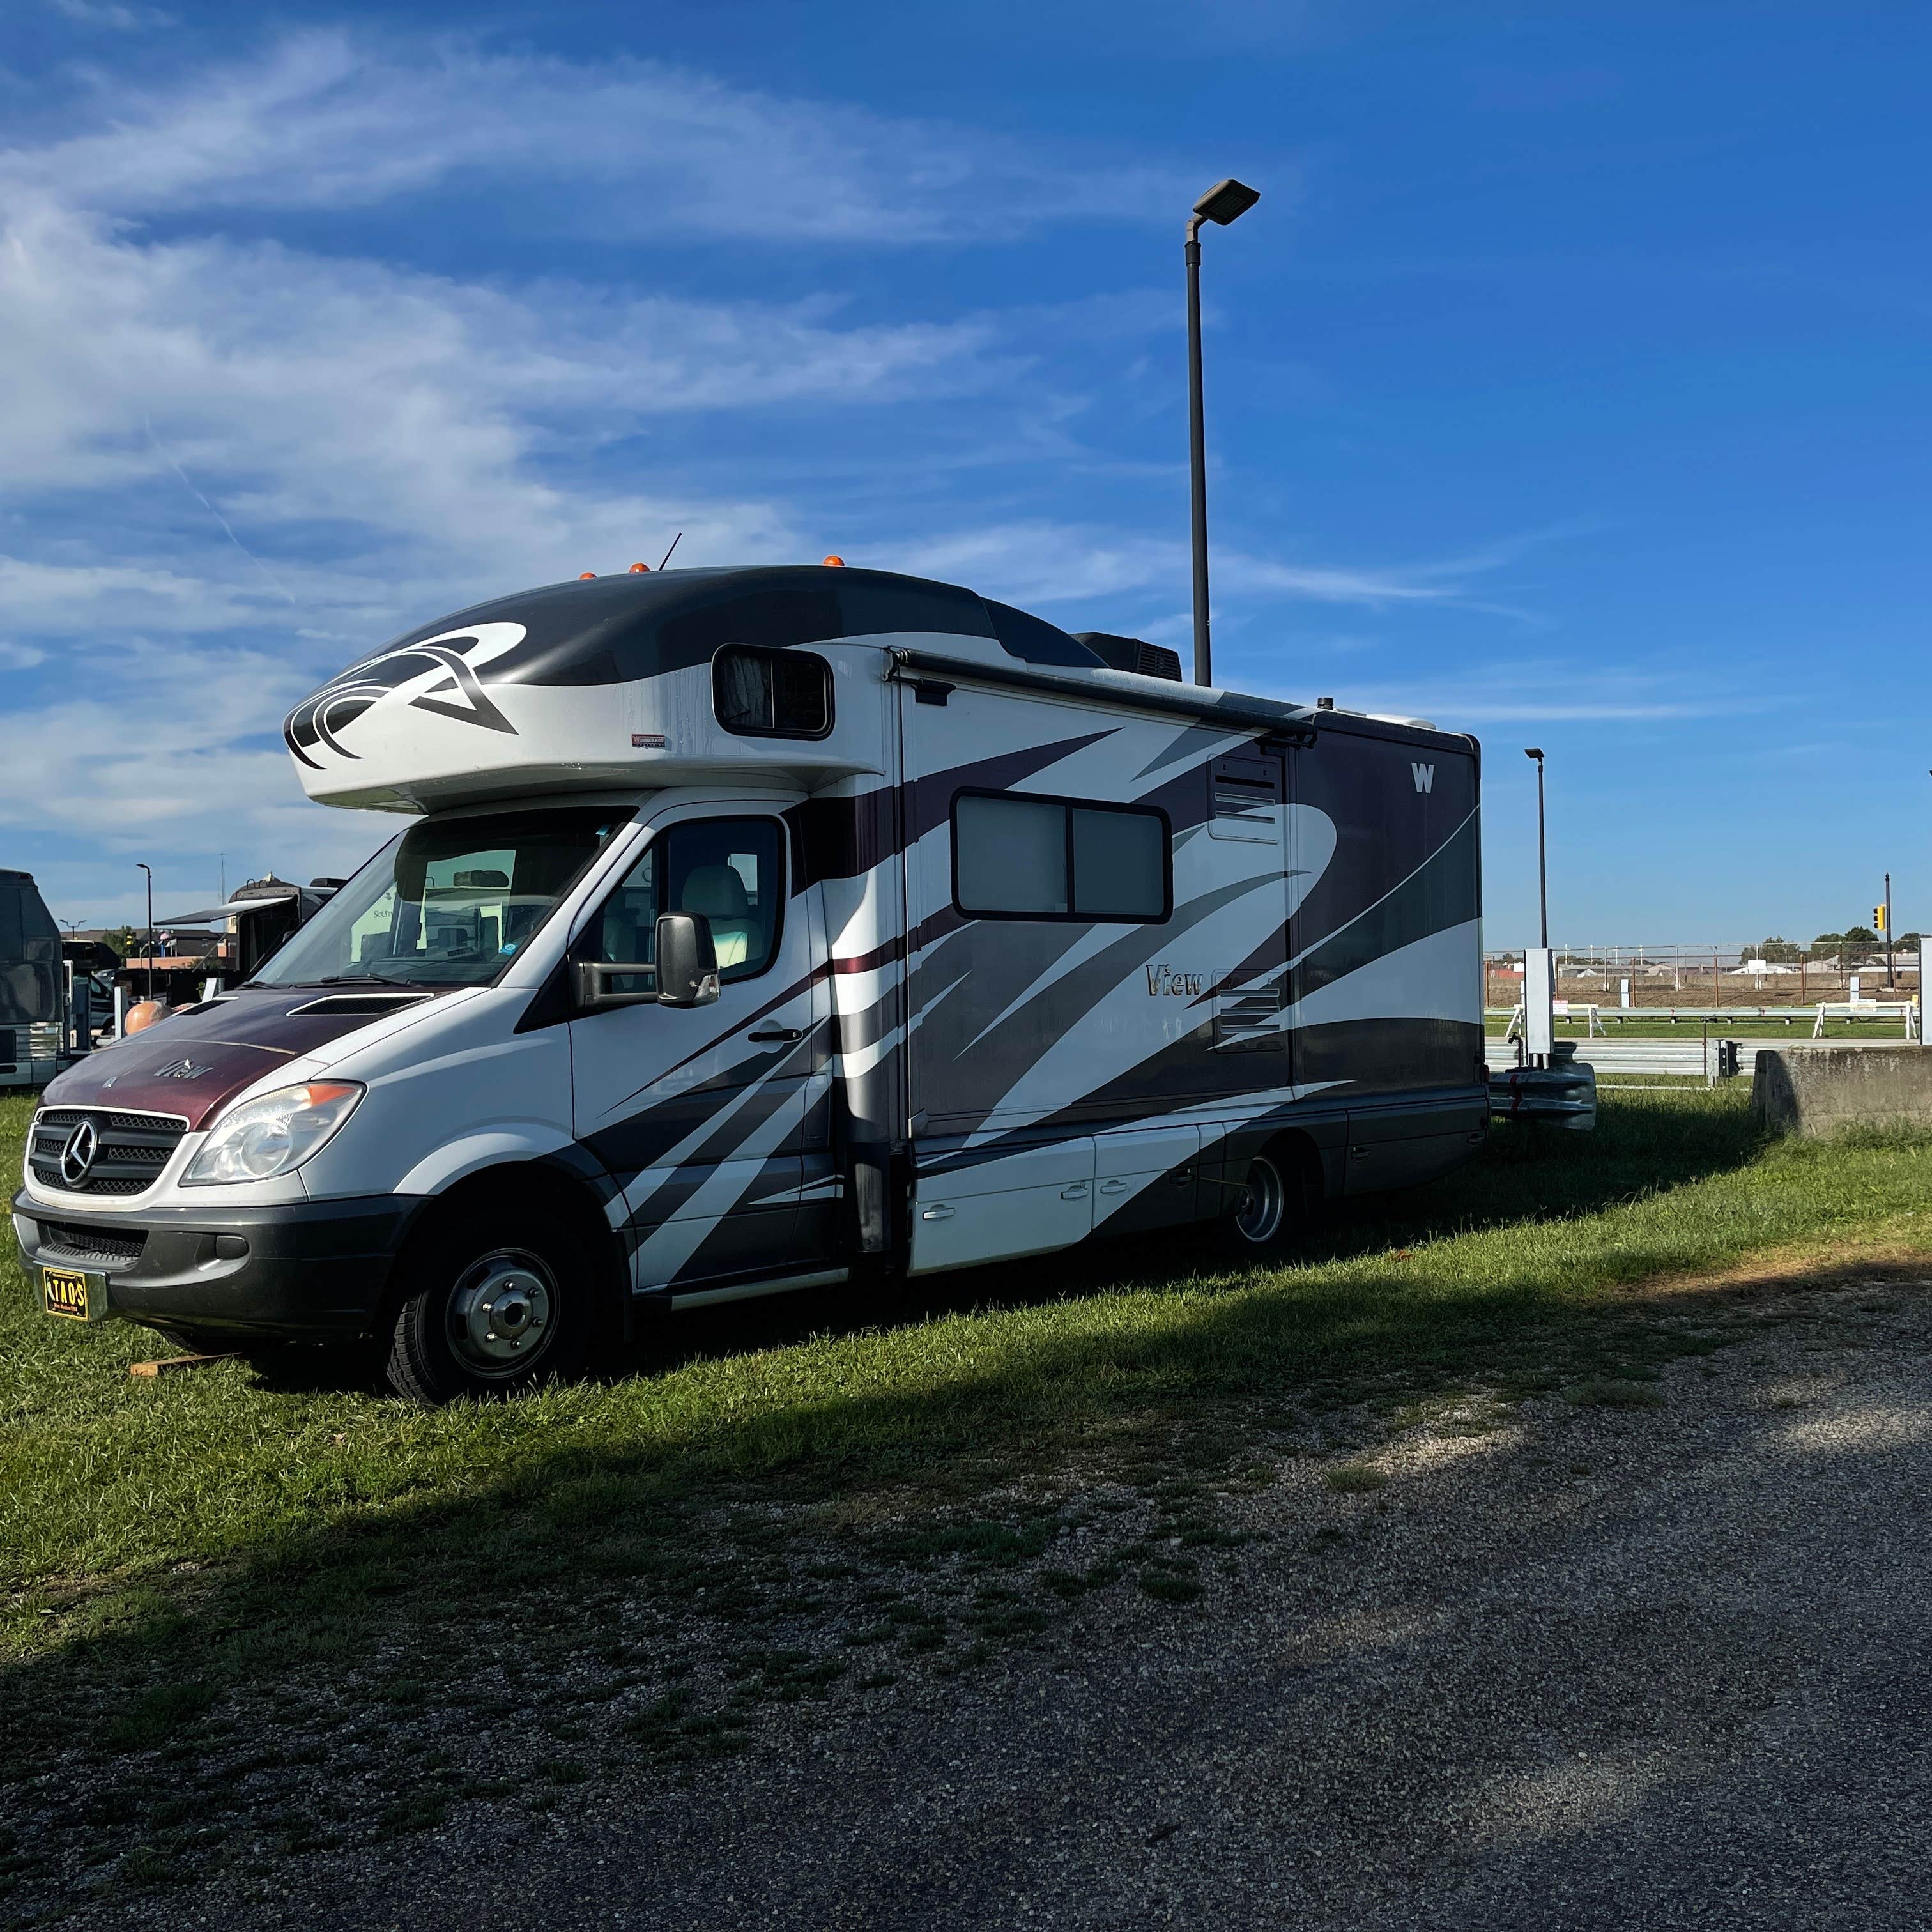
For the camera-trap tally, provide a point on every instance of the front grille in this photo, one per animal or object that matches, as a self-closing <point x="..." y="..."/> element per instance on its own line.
<point x="131" y="1152"/>
<point x="70" y="1241"/>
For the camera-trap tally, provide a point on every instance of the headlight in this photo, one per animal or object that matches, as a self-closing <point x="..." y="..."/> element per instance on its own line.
<point x="274" y="1134"/>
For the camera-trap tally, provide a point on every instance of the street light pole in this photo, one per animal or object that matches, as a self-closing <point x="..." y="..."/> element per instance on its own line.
<point x="1224" y="202"/>
<point x="148" y="943"/>
<point x="1542" y="862"/>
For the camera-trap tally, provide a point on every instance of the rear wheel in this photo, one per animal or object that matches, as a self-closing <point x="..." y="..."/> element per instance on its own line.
<point x="1272" y="1210"/>
<point x="507" y="1301"/>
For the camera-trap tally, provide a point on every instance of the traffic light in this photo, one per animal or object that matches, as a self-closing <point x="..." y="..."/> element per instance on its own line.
<point x="1878" y="920"/>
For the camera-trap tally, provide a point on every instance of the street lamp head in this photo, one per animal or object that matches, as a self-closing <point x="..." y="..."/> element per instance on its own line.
<point x="1227" y="201"/>
<point x="1531" y="752"/>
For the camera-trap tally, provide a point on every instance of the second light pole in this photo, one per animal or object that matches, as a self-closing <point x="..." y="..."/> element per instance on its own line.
<point x="1542" y="863"/>
<point x="1225" y="201"/>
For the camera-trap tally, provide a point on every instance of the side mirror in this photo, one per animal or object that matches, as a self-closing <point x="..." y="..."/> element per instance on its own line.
<point x="685" y="973"/>
<point x="687" y="960"/>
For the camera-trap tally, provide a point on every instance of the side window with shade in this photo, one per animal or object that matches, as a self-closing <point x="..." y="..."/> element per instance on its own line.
<point x="1058" y="858"/>
<point x="731" y="870"/>
<point x="761" y="694"/>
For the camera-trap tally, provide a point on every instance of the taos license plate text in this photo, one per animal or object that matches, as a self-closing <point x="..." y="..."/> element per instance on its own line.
<point x="73" y="1295"/>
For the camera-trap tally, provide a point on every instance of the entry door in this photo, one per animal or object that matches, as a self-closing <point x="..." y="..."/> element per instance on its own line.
<point x="701" y="1113"/>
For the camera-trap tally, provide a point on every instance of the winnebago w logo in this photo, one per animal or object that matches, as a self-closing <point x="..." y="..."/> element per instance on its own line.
<point x="1425" y="777"/>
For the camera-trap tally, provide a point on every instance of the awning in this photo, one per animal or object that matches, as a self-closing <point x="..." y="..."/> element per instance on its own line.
<point x="254" y="902"/>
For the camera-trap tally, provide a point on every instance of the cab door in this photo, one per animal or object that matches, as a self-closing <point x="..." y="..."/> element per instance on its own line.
<point x="701" y="1113"/>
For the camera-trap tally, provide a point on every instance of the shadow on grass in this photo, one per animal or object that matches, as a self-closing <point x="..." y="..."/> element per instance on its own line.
<point x="1526" y="1174"/>
<point x="806" y="1407"/>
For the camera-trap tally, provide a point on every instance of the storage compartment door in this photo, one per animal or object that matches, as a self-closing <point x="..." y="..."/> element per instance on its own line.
<point x="969" y="1208"/>
<point x="1145" y="1178"/>
<point x="1402" y="1147"/>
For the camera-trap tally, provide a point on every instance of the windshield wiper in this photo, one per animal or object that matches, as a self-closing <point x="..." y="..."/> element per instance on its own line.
<point x="366" y="979"/>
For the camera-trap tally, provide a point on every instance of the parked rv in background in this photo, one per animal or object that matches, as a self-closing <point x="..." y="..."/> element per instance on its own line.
<point x="33" y="985"/>
<point x="258" y="921"/>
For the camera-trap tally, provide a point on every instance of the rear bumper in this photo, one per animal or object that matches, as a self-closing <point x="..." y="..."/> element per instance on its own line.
<point x="313" y="1270"/>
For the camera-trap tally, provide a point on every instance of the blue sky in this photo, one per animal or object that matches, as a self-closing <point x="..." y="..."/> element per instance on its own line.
<point x="1569" y="384"/>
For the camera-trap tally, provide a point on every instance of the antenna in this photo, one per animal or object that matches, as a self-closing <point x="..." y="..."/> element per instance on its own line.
<point x="674" y="542"/>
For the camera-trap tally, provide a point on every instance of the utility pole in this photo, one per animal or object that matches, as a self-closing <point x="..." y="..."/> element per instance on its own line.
<point x="148" y="943"/>
<point x="1890" y="984"/>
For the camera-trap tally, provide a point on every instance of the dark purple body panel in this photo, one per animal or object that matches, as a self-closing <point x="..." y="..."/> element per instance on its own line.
<point x="190" y="1063"/>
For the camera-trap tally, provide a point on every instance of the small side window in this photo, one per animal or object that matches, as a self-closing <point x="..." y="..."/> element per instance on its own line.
<point x="1020" y="857"/>
<point x="761" y="694"/>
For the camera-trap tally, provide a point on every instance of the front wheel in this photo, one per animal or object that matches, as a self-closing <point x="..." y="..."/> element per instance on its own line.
<point x="504" y="1305"/>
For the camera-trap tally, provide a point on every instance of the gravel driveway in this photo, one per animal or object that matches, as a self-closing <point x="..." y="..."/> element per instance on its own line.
<point x="1652" y="1666"/>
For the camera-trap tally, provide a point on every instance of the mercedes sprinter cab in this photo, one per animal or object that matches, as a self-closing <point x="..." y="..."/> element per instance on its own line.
<point x="748" y="930"/>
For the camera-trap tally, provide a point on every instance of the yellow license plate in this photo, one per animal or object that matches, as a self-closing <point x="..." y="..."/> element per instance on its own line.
<point x="73" y="1295"/>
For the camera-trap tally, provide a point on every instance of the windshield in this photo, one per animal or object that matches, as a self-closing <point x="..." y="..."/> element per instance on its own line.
<point x="451" y="903"/>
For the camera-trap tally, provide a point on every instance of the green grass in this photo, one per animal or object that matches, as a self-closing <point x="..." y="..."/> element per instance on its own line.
<point x="163" y="1539"/>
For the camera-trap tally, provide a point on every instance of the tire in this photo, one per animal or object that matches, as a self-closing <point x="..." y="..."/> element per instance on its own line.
<point x="1274" y="1209"/>
<point x="508" y="1302"/>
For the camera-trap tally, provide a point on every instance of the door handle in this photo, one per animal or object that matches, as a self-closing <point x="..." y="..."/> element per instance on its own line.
<point x="940" y="1213"/>
<point x="1078" y="1192"/>
<point x="1113" y="1187"/>
<point x="777" y="1036"/>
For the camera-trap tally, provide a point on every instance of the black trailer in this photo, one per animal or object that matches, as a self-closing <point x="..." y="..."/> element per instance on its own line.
<point x="33" y="994"/>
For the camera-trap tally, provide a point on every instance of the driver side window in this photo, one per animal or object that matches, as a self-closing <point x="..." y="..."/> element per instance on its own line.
<point x="731" y="870"/>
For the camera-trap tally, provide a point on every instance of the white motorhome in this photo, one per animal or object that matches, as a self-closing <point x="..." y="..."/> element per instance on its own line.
<point x="754" y="929"/>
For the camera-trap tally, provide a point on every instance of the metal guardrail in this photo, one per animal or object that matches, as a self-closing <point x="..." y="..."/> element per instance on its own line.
<point x="1685" y="1059"/>
<point x="1596" y="1019"/>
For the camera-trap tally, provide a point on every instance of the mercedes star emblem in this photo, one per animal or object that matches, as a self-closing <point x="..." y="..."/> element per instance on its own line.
<point x="77" y="1156"/>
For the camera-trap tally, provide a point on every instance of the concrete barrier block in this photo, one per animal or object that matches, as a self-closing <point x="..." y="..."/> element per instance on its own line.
<point x="1818" y="1089"/>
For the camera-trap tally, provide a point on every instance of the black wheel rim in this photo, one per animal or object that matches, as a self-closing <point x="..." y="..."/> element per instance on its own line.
<point x="502" y="1313"/>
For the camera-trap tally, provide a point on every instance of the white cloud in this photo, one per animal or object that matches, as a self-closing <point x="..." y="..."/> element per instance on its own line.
<point x="1040" y="562"/>
<point x="159" y="743"/>
<point x="110" y="13"/>
<point x="1545" y="692"/>
<point x="326" y="120"/>
<point x="351" y="389"/>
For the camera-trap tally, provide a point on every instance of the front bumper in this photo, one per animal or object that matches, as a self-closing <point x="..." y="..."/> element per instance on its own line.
<point x="313" y="1270"/>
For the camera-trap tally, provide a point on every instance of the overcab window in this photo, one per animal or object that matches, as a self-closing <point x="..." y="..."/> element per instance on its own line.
<point x="1057" y="858"/>
<point x="761" y="694"/>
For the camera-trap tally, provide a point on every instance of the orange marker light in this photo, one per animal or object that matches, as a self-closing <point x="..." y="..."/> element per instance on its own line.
<point x="582" y="574"/>
<point x="636" y="567"/>
<point x="838" y="561"/>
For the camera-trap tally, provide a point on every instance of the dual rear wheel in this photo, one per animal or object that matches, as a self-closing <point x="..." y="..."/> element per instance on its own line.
<point x="1276" y="1207"/>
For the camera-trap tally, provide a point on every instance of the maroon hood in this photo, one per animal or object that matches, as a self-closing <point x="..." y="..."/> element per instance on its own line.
<point x="192" y="1063"/>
